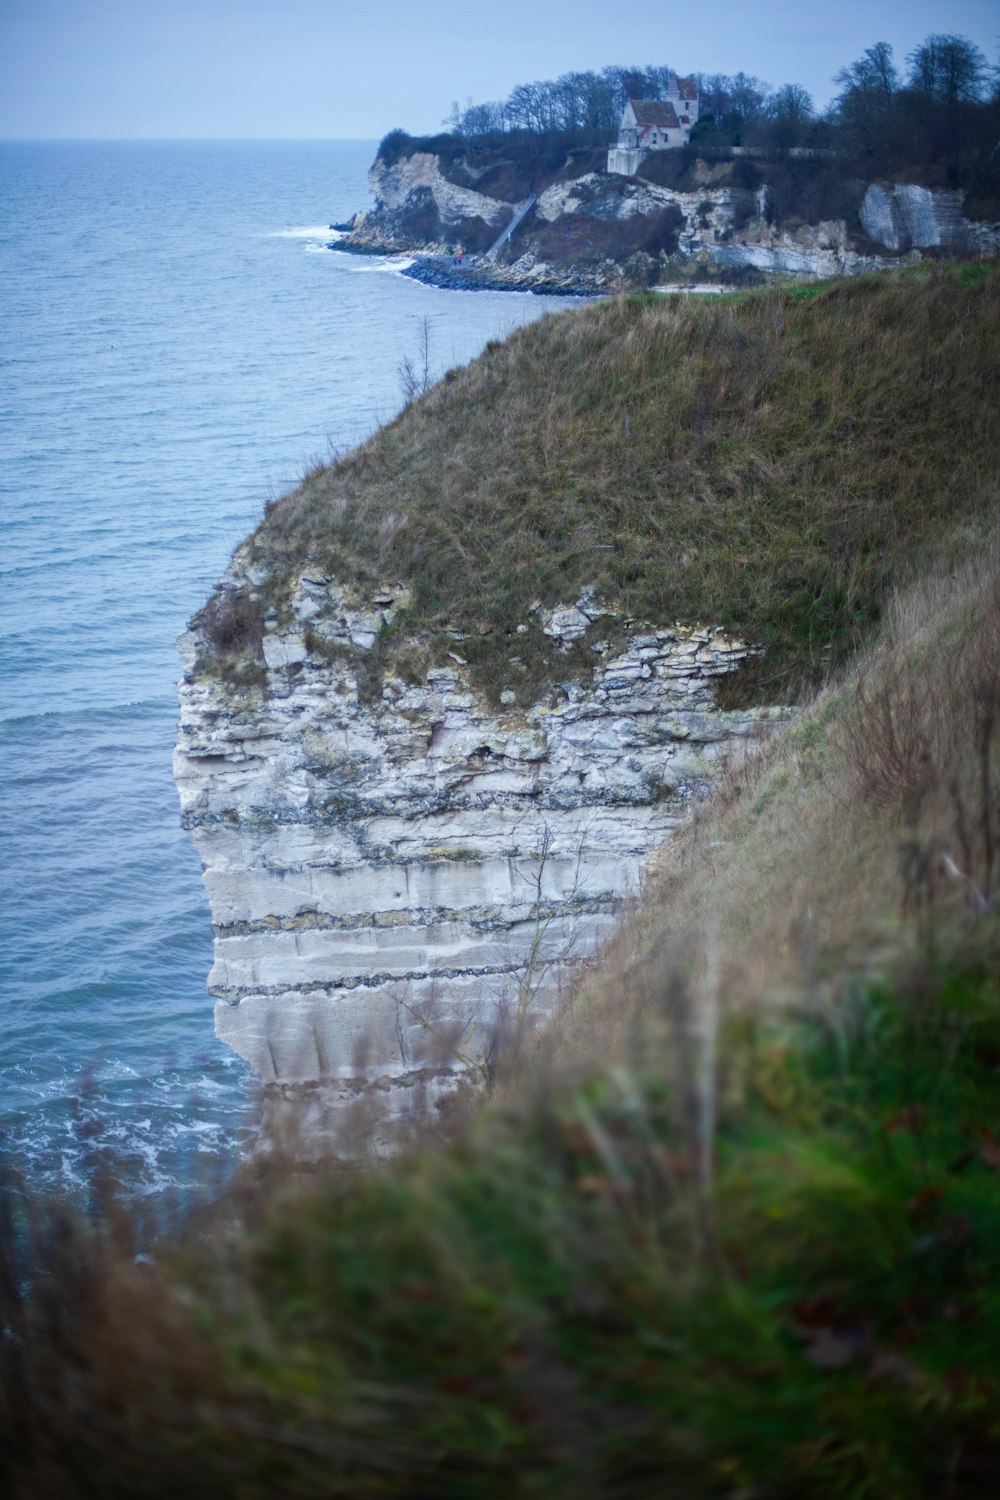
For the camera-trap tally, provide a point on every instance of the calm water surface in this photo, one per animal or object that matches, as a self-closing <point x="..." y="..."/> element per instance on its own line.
<point x="177" y="345"/>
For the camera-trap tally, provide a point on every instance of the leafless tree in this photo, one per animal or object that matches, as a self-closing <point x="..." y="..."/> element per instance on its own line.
<point x="415" y="373"/>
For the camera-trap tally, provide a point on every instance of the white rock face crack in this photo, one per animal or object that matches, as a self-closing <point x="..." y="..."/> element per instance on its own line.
<point x="385" y="878"/>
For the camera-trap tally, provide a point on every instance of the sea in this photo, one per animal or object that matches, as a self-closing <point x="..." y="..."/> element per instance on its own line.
<point x="178" y="345"/>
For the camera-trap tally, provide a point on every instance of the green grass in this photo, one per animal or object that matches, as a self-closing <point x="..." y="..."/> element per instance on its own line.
<point x="557" y="1309"/>
<point x="774" y="464"/>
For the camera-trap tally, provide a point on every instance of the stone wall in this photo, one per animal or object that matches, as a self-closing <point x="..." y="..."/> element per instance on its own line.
<point x="387" y="878"/>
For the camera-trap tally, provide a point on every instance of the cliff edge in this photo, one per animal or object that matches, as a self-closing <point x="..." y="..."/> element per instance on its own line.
<point x="395" y="881"/>
<point x="683" y="215"/>
<point x="460" y="684"/>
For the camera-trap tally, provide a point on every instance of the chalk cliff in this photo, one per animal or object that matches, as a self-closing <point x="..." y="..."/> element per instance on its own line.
<point x="596" y="232"/>
<point x="395" y="186"/>
<point x="393" y="873"/>
<point x="439" y="712"/>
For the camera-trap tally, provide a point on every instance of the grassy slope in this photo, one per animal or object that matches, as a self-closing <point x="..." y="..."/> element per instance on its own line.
<point x="773" y="463"/>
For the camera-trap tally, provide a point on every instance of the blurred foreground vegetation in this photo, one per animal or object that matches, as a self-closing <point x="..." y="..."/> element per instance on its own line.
<point x="555" y="1307"/>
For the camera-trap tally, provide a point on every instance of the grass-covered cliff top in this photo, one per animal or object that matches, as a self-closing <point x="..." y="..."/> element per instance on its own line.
<point x="507" y="167"/>
<point x="771" y="461"/>
<point x="731" y="1229"/>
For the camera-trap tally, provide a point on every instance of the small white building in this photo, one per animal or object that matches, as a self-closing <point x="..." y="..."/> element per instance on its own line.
<point x="654" y="125"/>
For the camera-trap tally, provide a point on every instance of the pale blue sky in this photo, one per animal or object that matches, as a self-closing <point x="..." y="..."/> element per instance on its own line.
<point x="326" y="69"/>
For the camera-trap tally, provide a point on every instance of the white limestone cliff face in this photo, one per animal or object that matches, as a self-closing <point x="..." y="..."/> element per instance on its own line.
<point x="387" y="876"/>
<point x="728" y="226"/>
<point x="392" y="187"/>
<point x="722" y="226"/>
<point x="418" y="177"/>
<point x="903" y="216"/>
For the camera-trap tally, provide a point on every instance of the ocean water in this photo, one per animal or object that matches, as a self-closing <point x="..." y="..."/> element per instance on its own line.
<point x="177" y="346"/>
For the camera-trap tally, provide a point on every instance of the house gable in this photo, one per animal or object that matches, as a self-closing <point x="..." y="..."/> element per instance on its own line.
<point x="654" y="125"/>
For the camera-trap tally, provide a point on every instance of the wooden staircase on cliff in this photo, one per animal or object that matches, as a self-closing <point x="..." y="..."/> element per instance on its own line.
<point x="522" y="211"/>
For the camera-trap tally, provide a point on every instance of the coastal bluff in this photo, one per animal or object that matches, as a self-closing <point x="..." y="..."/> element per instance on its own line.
<point x="395" y="878"/>
<point x="680" y="215"/>
<point x="462" y="682"/>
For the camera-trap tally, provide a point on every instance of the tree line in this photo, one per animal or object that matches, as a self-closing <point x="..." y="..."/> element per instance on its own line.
<point x="942" y="104"/>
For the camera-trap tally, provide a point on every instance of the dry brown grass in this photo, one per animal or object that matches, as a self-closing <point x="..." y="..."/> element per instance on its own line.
<point x="774" y="463"/>
<point x="881" y="803"/>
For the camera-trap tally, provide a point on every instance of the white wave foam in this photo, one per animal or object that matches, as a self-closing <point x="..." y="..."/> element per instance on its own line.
<point x="305" y="232"/>
<point x="396" y="264"/>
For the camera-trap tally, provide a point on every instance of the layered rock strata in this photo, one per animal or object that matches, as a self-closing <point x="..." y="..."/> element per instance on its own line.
<point x="391" y="873"/>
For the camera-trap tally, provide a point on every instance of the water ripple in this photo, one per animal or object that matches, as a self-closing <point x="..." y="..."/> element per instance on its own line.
<point x="175" y="352"/>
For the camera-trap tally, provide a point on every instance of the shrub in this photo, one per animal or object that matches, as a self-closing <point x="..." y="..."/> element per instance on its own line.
<point x="233" y="624"/>
<point x="394" y="146"/>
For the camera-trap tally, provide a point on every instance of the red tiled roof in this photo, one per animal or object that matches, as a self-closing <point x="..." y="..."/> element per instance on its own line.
<point x="687" y="88"/>
<point x="651" y="112"/>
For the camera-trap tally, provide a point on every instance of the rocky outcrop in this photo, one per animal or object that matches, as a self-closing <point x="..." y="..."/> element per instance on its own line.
<point x="393" y="187"/>
<point x="904" y="217"/>
<point x="393" y="870"/>
<point x="418" y="207"/>
<point x="599" y="233"/>
<point x="717" y="226"/>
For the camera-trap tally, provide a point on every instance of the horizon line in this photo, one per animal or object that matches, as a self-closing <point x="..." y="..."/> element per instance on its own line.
<point x="172" y="140"/>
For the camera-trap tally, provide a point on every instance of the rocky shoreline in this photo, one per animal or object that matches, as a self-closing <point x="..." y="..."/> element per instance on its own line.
<point x="471" y="276"/>
<point x="434" y="271"/>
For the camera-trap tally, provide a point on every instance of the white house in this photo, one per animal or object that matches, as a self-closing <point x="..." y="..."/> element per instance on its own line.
<point x="654" y="125"/>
